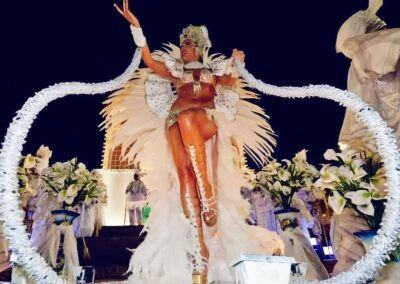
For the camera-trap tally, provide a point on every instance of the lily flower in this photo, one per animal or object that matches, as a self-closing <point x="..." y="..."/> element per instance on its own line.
<point x="378" y="183"/>
<point x="300" y="156"/>
<point x="271" y="168"/>
<point x="346" y="155"/>
<point x="362" y="198"/>
<point x="330" y="155"/>
<point x="63" y="197"/>
<point x="286" y="190"/>
<point x="277" y="186"/>
<point x="29" y="161"/>
<point x="287" y="162"/>
<point x="72" y="190"/>
<point x="283" y="174"/>
<point x="337" y="202"/>
<point x="328" y="174"/>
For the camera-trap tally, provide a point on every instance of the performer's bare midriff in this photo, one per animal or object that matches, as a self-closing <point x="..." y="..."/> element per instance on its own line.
<point x="189" y="127"/>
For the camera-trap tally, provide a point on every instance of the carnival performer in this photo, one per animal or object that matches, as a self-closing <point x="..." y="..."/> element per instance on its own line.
<point x="374" y="76"/>
<point x="136" y="192"/>
<point x="374" y="73"/>
<point x="261" y="204"/>
<point x="188" y="138"/>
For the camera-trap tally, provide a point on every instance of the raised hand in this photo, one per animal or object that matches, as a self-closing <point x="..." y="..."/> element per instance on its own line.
<point x="127" y="14"/>
<point x="238" y="55"/>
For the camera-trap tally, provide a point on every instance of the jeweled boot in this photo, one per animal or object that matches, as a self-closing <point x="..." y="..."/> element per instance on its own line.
<point x="207" y="198"/>
<point x="200" y="256"/>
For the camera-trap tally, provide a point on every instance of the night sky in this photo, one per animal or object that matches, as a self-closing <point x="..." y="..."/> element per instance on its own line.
<point x="285" y="42"/>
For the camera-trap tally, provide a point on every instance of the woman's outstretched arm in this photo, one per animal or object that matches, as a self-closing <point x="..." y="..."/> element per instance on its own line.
<point x="158" y="67"/>
<point x="230" y="80"/>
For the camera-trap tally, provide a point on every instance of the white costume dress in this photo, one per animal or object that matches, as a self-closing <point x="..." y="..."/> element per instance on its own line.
<point x="374" y="73"/>
<point x="136" y="116"/>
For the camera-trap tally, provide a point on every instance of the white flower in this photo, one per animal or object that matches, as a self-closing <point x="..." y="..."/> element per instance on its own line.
<point x="271" y="168"/>
<point x="21" y="171"/>
<point x="27" y="190"/>
<point x="287" y="162"/>
<point x="365" y="185"/>
<point x="308" y="183"/>
<point x="95" y="175"/>
<point x="350" y="173"/>
<point x="330" y="155"/>
<point x="81" y="166"/>
<point x="59" y="181"/>
<point x="81" y="172"/>
<point x="300" y="156"/>
<point x="378" y="184"/>
<point x="356" y="166"/>
<point x="362" y="199"/>
<point x="63" y="197"/>
<point x="321" y="185"/>
<point x="277" y="186"/>
<point x="57" y="167"/>
<point x="337" y="202"/>
<point x="300" y="166"/>
<point x="283" y="174"/>
<point x="72" y="190"/>
<point x="376" y="195"/>
<point x="81" y="181"/>
<point x="23" y="179"/>
<point x="359" y="197"/>
<point x="295" y="183"/>
<point x="328" y="174"/>
<point x="312" y="170"/>
<point x="29" y="161"/>
<point x="345" y="172"/>
<point x="263" y="179"/>
<point x="367" y="209"/>
<point x="347" y="155"/>
<point x="286" y="190"/>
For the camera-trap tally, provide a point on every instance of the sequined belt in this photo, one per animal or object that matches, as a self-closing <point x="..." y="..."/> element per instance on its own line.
<point x="173" y="115"/>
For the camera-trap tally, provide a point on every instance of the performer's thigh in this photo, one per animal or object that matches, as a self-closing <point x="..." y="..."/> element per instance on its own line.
<point x="206" y="125"/>
<point x="176" y="145"/>
<point x="183" y="165"/>
<point x="189" y="128"/>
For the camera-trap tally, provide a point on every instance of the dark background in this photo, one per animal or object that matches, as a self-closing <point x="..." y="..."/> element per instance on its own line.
<point x="286" y="43"/>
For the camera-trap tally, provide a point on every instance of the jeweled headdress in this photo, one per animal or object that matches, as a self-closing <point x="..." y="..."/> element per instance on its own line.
<point x="198" y="34"/>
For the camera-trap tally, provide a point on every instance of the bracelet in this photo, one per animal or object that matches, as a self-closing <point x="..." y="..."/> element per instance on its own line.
<point x="138" y="37"/>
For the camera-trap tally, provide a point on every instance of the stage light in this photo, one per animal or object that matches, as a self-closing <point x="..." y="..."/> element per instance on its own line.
<point x="313" y="241"/>
<point x="328" y="250"/>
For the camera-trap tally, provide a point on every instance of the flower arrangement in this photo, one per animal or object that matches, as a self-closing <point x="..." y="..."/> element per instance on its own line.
<point x="26" y="172"/>
<point x="73" y="184"/>
<point x="355" y="179"/>
<point x="29" y="171"/>
<point x="283" y="180"/>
